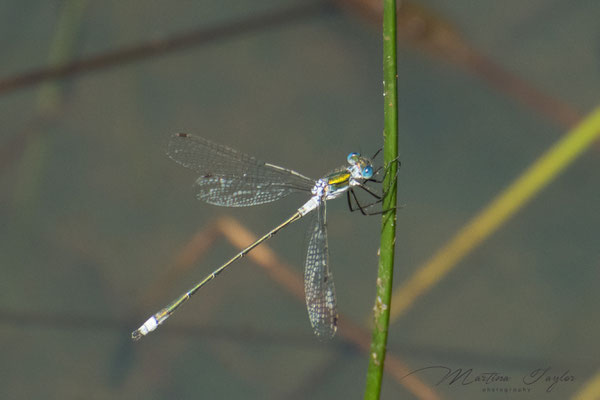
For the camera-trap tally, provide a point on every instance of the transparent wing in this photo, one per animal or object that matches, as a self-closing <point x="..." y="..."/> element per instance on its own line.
<point x="318" y="281"/>
<point x="231" y="178"/>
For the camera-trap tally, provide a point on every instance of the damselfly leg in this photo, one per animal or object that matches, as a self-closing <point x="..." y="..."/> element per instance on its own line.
<point x="363" y="208"/>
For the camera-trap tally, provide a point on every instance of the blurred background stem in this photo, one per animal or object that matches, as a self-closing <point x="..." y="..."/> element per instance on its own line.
<point x="48" y="103"/>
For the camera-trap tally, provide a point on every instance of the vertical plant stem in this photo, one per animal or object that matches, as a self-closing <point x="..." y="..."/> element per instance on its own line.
<point x="48" y="102"/>
<point x="388" y="229"/>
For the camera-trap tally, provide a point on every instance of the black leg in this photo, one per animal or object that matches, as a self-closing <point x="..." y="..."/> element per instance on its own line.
<point x="360" y="207"/>
<point x="368" y="190"/>
<point x="387" y="168"/>
<point x="363" y="208"/>
<point x="349" y="202"/>
<point x="376" y="153"/>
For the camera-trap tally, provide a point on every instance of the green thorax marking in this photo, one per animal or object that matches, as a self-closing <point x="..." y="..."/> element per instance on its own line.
<point x="339" y="179"/>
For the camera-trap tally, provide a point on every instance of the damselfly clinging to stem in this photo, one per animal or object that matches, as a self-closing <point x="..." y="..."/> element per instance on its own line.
<point x="234" y="179"/>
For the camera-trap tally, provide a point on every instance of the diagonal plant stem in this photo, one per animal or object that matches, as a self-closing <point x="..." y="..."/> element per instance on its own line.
<point x="388" y="229"/>
<point x="161" y="46"/>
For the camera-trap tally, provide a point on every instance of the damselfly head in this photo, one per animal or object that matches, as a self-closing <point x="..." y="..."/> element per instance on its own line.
<point x="360" y="167"/>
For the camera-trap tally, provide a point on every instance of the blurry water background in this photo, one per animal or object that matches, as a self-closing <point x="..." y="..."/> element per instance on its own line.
<point x="92" y="211"/>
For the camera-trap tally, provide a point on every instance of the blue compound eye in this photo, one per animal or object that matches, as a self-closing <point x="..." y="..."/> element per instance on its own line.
<point x="352" y="157"/>
<point x="367" y="172"/>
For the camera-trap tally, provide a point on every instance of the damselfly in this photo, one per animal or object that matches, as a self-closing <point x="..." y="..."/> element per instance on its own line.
<point x="234" y="179"/>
